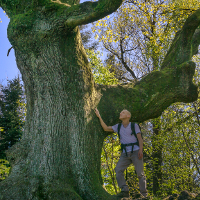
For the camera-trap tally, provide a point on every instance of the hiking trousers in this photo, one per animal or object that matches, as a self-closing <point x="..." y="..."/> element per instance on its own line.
<point x="123" y="163"/>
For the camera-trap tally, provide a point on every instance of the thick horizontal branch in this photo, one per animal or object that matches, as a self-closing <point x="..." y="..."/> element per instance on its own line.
<point x="88" y="12"/>
<point x="181" y="49"/>
<point x="149" y="97"/>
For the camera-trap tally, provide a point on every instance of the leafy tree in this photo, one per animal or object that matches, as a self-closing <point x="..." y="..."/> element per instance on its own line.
<point x="140" y="33"/>
<point x="101" y="73"/>
<point x="11" y="116"/>
<point x="88" y="38"/>
<point x="109" y="157"/>
<point x="4" y="169"/>
<point x="60" y="149"/>
<point x="11" y="120"/>
<point x="181" y="149"/>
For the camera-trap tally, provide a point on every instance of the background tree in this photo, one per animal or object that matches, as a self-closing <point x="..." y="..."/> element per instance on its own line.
<point x="101" y="73"/>
<point x="139" y="34"/>
<point x="88" y="38"/>
<point x="59" y="154"/>
<point x="12" y="117"/>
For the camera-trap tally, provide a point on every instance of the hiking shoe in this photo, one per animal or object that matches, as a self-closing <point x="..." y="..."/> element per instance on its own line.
<point x="123" y="194"/>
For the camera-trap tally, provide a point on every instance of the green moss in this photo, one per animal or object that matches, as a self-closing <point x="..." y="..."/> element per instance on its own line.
<point x="62" y="190"/>
<point x="41" y="193"/>
<point x="148" y="98"/>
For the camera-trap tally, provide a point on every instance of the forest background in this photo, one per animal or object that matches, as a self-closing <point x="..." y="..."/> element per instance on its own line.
<point x="135" y="40"/>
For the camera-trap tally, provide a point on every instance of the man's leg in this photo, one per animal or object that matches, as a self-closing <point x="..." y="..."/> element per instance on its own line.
<point x="139" y="168"/>
<point x="122" y="164"/>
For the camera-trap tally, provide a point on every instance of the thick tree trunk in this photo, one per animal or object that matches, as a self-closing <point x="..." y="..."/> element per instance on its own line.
<point x="59" y="154"/>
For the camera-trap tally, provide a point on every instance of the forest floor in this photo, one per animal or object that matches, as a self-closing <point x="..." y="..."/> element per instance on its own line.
<point x="185" y="195"/>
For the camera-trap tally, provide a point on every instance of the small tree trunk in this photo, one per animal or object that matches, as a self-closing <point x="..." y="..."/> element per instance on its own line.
<point x="156" y="158"/>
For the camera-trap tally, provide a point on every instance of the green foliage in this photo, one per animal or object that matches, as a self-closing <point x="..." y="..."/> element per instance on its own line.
<point x="101" y="73"/>
<point x="109" y="157"/>
<point x="12" y="117"/>
<point x="140" y="33"/>
<point x="4" y="169"/>
<point x="179" y="140"/>
<point x="182" y="148"/>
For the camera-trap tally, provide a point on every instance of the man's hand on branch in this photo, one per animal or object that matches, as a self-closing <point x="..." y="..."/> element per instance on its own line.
<point x="97" y="113"/>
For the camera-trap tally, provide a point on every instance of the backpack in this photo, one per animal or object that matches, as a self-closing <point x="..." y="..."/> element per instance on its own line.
<point x="123" y="146"/>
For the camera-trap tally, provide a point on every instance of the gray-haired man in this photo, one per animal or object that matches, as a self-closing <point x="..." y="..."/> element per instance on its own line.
<point x="129" y="156"/>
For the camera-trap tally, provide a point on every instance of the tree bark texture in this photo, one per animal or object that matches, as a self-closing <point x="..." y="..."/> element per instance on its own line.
<point x="59" y="154"/>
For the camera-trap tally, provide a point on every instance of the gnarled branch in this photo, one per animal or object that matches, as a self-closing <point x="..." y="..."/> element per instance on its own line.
<point x="183" y="45"/>
<point x="88" y="12"/>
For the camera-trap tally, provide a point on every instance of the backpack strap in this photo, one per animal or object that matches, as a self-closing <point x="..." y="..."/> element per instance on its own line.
<point x="133" y="129"/>
<point x="118" y="129"/>
<point x="123" y="146"/>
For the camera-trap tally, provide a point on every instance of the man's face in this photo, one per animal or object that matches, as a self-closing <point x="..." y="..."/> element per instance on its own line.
<point x="124" y="114"/>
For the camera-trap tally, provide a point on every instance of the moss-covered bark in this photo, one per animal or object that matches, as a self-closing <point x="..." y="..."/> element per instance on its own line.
<point x="59" y="154"/>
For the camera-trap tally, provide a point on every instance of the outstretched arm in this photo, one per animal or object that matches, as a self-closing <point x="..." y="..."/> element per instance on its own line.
<point x="105" y="127"/>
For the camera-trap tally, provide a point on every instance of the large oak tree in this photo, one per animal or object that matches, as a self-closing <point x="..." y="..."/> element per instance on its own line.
<point x="58" y="156"/>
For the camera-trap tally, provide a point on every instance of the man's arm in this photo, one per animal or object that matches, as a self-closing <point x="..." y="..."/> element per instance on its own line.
<point x="140" y="153"/>
<point x="105" y="127"/>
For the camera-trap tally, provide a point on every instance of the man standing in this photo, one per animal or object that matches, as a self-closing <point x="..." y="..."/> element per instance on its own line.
<point x="131" y="153"/>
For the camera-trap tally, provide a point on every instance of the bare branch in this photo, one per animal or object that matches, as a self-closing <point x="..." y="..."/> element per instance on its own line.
<point x="9" y="51"/>
<point x="124" y="63"/>
<point x="57" y="1"/>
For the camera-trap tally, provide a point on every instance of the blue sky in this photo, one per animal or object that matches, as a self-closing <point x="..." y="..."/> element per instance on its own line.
<point x="8" y="66"/>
